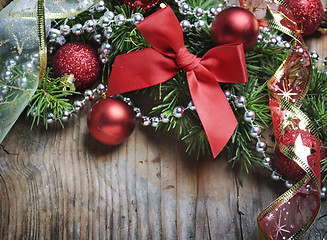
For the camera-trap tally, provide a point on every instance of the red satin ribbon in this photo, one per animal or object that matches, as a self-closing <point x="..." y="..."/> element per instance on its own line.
<point x="168" y="55"/>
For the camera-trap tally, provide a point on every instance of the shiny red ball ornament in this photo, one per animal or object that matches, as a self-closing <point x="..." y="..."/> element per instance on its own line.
<point x="111" y="121"/>
<point x="79" y="59"/>
<point x="146" y="5"/>
<point x="287" y="167"/>
<point x="235" y="24"/>
<point x="308" y="14"/>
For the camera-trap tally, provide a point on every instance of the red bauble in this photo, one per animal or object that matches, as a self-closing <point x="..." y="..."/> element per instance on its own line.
<point x="79" y="59"/>
<point x="235" y="24"/>
<point x="111" y="121"/>
<point x="147" y="5"/>
<point x="308" y="14"/>
<point x="287" y="167"/>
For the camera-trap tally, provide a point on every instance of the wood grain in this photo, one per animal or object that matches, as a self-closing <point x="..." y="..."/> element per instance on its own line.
<point x="61" y="184"/>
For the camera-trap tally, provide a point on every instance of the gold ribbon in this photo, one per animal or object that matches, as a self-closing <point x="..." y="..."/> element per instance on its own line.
<point x="40" y="17"/>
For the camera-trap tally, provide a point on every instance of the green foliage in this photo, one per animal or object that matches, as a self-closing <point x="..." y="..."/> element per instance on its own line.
<point x="315" y="106"/>
<point x="324" y="169"/>
<point x="51" y="97"/>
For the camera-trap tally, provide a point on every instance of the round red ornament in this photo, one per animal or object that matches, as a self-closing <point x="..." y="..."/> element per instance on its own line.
<point x="79" y="59"/>
<point x="308" y="14"/>
<point x="235" y="24"/>
<point x="111" y="121"/>
<point x="147" y="5"/>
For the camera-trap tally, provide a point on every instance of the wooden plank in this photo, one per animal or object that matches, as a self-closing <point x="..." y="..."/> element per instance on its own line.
<point x="168" y="188"/>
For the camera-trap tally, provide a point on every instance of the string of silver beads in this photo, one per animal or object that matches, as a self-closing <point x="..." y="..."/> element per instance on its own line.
<point x="240" y="101"/>
<point x="154" y="121"/>
<point x="198" y="13"/>
<point x="249" y="116"/>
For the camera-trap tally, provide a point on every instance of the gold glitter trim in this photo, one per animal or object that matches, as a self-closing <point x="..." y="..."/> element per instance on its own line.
<point x="42" y="39"/>
<point x="3" y="42"/>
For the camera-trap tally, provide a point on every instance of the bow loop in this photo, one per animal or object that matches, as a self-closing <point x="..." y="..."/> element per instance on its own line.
<point x="186" y="60"/>
<point x="167" y="56"/>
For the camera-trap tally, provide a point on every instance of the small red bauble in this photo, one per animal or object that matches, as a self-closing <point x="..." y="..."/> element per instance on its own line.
<point x="308" y="14"/>
<point x="111" y="121"/>
<point x="287" y="167"/>
<point x="235" y="24"/>
<point x="79" y="59"/>
<point x="147" y="5"/>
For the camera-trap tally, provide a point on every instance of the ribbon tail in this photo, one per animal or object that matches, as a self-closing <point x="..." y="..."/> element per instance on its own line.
<point x="140" y="69"/>
<point x="214" y="111"/>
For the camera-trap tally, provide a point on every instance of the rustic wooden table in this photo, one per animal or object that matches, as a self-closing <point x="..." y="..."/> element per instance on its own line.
<point x="61" y="184"/>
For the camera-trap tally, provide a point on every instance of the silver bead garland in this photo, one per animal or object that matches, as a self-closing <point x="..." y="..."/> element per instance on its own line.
<point x="198" y="12"/>
<point x="249" y="116"/>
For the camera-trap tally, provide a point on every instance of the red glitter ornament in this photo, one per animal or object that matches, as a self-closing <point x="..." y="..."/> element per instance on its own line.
<point x="308" y="14"/>
<point x="235" y="24"/>
<point x="111" y="121"/>
<point x="147" y="5"/>
<point x="79" y="59"/>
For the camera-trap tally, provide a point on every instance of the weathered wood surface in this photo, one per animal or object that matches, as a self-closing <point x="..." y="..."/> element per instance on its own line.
<point x="61" y="184"/>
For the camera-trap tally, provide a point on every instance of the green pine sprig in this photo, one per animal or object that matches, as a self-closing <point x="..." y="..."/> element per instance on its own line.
<point x="315" y="107"/>
<point x="51" y="97"/>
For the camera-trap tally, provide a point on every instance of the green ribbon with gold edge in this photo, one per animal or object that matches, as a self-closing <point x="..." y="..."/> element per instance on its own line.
<point x="291" y="214"/>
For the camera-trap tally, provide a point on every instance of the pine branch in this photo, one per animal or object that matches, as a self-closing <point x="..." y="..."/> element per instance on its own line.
<point x="196" y="141"/>
<point x="315" y="106"/>
<point x="51" y="97"/>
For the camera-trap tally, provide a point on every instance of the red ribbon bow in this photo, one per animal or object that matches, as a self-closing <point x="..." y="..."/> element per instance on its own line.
<point x="167" y="56"/>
